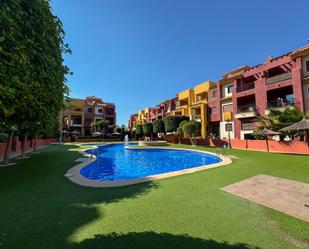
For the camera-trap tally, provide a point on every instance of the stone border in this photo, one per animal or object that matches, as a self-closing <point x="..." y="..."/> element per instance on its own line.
<point x="74" y="175"/>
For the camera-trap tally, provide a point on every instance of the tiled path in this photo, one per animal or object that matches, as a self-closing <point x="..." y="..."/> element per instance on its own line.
<point x="287" y="196"/>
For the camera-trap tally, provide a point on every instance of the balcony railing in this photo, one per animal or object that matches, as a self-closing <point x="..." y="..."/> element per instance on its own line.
<point x="279" y="78"/>
<point x="197" y="117"/>
<point x="212" y="98"/>
<point x="246" y="108"/>
<point x="281" y="102"/>
<point x="247" y="126"/>
<point x="246" y="87"/>
<point x="179" y="104"/>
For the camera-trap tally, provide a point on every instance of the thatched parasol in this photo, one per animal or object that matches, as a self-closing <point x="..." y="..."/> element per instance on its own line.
<point x="266" y="132"/>
<point x="299" y="126"/>
<point x="302" y="125"/>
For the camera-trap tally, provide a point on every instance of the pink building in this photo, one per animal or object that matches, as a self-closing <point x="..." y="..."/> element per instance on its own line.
<point x="274" y="84"/>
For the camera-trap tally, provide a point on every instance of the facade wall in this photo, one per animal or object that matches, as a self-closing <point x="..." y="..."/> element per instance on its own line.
<point x="82" y="113"/>
<point x="276" y="83"/>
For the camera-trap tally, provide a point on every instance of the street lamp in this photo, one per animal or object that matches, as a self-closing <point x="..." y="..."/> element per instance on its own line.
<point x="229" y="134"/>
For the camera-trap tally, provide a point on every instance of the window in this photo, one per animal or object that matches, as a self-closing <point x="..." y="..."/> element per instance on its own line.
<point x="214" y="94"/>
<point x="100" y="110"/>
<point x="227" y="108"/>
<point x="307" y="65"/>
<point x="212" y="110"/>
<point x="89" y="109"/>
<point x="228" y="127"/>
<point x="230" y="89"/>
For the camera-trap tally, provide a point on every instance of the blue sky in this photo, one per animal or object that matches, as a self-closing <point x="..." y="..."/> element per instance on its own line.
<point x="137" y="53"/>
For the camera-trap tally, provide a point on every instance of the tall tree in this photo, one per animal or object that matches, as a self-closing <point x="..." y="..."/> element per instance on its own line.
<point x="101" y="126"/>
<point x="32" y="74"/>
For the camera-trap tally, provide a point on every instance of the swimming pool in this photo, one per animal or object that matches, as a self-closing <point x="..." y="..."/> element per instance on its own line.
<point x="116" y="163"/>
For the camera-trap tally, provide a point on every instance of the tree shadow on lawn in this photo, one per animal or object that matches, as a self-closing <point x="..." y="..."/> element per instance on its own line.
<point x="41" y="208"/>
<point x="152" y="240"/>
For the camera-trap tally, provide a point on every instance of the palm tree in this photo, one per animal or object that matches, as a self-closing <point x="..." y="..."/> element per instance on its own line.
<point x="278" y="119"/>
<point x="100" y="126"/>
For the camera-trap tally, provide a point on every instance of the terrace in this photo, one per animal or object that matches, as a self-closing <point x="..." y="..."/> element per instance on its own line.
<point x="278" y="78"/>
<point x="280" y="99"/>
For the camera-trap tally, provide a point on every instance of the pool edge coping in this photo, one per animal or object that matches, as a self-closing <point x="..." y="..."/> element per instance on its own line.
<point x="74" y="175"/>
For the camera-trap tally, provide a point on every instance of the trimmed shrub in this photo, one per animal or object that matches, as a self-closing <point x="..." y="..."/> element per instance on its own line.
<point x="139" y="131"/>
<point x="147" y="129"/>
<point x="158" y="126"/>
<point x="172" y="122"/>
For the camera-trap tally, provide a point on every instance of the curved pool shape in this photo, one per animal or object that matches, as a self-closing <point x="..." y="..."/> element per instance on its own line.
<point x="115" y="163"/>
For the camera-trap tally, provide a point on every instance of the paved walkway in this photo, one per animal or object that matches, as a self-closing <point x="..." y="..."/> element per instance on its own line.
<point x="287" y="196"/>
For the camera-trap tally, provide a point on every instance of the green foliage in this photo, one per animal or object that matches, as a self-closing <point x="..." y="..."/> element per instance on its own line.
<point x="158" y="126"/>
<point x="147" y="129"/>
<point x="139" y="130"/>
<point x="117" y="129"/>
<point x="278" y="119"/>
<point x="191" y="128"/>
<point x="100" y="126"/>
<point x="182" y="123"/>
<point x="3" y="137"/>
<point x="32" y="74"/>
<point x="172" y="122"/>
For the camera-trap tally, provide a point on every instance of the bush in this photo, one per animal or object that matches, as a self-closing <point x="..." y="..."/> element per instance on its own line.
<point x="191" y="128"/>
<point x="182" y="123"/>
<point x="172" y="122"/>
<point x="147" y="129"/>
<point x="158" y="126"/>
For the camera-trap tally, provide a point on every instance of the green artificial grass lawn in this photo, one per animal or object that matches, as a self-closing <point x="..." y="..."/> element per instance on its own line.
<point x="40" y="208"/>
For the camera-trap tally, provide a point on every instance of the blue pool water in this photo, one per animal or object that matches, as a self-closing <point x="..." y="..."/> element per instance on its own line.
<point x="114" y="162"/>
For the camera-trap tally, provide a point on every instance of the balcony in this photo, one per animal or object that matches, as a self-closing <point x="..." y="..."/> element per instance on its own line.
<point x="212" y="99"/>
<point x="159" y="112"/>
<point x="180" y="104"/>
<point x="197" y="118"/>
<point x="199" y="101"/>
<point x="281" y="103"/>
<point x="279" y="78"/>
<point x="245" y="87"/>
<point x="246" y="111"/>
<point x="76" y="123"/>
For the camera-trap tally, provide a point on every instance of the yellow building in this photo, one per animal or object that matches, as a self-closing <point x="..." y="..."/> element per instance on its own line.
<point x="143" y="116"/>
<point x="198" y="107"/>
<point x="73" y="116"/>
<point x="185" y="99"/>
<point x="193" y="103"/>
